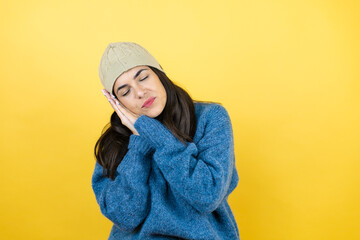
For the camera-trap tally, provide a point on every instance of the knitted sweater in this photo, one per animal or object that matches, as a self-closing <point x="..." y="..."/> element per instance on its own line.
<point x="167" y="190"/>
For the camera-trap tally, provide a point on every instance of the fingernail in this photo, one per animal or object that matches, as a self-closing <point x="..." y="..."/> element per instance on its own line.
<point x="102" y="91"/>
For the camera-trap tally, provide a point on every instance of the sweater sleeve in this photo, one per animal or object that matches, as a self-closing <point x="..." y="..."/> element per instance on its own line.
<point x="125" y="200"/>
<point x="201" y="173"/>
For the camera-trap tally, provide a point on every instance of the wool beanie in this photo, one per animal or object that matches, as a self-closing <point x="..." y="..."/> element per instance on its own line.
<point x="120" y="57"/>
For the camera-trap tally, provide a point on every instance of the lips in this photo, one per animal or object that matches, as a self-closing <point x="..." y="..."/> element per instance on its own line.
<point x="148" y="102"/>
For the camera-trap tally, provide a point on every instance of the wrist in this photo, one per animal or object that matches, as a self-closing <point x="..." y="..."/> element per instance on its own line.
<point x="139" y="144"/>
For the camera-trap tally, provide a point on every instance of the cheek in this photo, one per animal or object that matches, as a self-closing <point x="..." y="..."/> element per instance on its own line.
<point x="129" y="106"/>
<point x="159" y="87"/>
<point x="132" y="107"/>
<point x="163" y="91"/>
<point x="126" y="104"/>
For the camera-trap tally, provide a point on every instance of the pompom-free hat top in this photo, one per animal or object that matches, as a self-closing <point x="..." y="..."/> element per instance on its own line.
<point x="119" y="57"/>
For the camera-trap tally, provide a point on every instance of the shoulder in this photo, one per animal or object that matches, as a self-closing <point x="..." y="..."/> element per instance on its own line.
<point x="210" y="110"/>
<point x="212" y="115"/>
<point x="212" y="120"/>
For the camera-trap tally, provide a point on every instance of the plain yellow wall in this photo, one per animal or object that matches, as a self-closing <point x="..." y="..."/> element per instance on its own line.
<point x="288" y="72"/>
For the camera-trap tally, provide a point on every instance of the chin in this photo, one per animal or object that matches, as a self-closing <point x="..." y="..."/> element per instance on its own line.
<point x="154" y="113"/>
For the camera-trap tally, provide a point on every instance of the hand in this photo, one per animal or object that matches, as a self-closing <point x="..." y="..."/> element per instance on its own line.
<point x="127" y="118"/>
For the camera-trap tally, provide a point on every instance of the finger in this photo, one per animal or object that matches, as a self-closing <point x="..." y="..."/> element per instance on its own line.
<point x="119" y="112"/>
<point x="105" y="92"/>
<point x="120" y="108"/>
<point x="129" y="114"/>
<point x="114" y="105"/>
<point x="107" y="95"/>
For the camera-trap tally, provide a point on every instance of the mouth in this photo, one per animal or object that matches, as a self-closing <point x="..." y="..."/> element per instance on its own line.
<point x="148" y="102"/>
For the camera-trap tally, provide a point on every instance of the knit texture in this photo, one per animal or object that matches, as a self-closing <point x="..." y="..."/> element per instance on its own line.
<point x="167" y="190"/>
<point x="119" y="57"/>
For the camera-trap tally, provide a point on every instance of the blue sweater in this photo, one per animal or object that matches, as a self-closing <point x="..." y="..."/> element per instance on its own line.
<point x="167" y="190"/>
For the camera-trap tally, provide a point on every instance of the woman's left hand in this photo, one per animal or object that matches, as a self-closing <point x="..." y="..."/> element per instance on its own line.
<point x="127" y="118"/>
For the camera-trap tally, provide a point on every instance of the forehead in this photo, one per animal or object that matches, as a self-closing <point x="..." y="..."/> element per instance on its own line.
<point x="129" y="74"/>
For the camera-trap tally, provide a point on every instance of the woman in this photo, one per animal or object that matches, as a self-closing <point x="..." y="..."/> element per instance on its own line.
<point x="165" y="167"/>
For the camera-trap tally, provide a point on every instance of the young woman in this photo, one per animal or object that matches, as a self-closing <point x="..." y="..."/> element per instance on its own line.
<point x="165" y="166"/>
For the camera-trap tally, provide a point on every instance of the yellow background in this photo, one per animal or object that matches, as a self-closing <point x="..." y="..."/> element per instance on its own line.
<point x="288" y="72"/>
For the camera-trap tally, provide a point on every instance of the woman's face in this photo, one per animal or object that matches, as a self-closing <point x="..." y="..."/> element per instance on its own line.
<point x="136" y="86"/>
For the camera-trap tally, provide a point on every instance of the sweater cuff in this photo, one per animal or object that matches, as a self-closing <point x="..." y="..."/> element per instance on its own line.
<point x="155" y="132"/>
<point x="140" y="144"/>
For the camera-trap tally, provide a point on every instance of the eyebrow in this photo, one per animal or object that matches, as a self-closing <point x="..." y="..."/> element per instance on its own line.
<point x="135" y="76"/>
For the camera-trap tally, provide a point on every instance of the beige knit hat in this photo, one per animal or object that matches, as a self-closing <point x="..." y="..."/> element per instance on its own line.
<point x="120" y="57"/>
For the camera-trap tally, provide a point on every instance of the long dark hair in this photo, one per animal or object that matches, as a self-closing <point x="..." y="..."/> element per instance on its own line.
<point x="178" y="116"/>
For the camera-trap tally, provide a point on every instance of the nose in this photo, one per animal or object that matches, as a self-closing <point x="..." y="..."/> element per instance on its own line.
<point x="140" y="91"/>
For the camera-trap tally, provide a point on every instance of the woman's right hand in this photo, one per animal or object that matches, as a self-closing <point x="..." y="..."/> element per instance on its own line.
<point x="127" y="118"/>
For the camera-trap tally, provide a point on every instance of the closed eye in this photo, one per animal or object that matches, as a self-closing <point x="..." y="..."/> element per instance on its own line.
<point x="139" y="80"/>
<point x="143" y="78"/>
